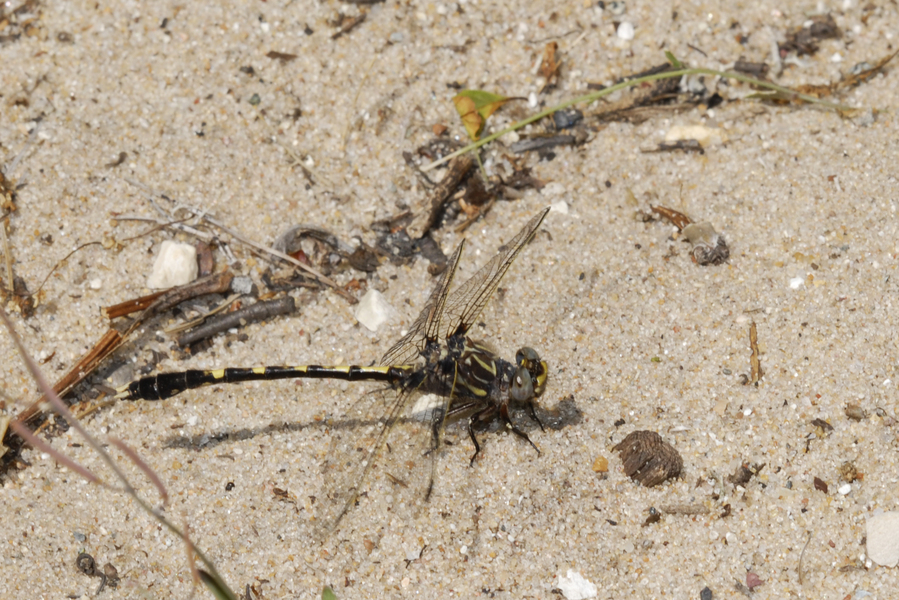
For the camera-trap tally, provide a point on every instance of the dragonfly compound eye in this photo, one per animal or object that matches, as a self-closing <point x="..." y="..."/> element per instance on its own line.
<point x="522" y="385"/>
<point x="527" y="358"/>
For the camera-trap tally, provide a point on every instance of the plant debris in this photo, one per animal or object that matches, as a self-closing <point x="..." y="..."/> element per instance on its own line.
<point x="709" y="246"/>
<point x="744" y="473"/>
<point x="804" y="40"/>
<point x="648" y="459"/>
<point x="755" y="363"/>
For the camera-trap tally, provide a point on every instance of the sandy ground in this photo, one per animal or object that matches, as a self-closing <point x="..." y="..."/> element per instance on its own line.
<point x="637" y="336"/>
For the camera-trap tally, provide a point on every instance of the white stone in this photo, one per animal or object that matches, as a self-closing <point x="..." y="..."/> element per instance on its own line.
<point x="553" y="188"/>
<point x="883" y="539"/>
<point x="175" y="265"/>
<point x="706" y="136"/>
<point x="796" y="283"/>
<point x="373" y="310"/>
<point x="625" y="31"/>
<point x="575" y="587"/>
<point x="560" y="207"/>
<point x="96" y="284"/>
<point x="844" y="489"/>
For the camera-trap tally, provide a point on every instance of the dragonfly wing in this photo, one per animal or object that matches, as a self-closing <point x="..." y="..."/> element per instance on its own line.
<point x="465" y="304"/>
<point x="426" y="325"/>
<point x="362" y="458"/>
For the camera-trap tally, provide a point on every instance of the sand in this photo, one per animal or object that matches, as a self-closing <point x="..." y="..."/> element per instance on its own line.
<point x="636" y="334"/>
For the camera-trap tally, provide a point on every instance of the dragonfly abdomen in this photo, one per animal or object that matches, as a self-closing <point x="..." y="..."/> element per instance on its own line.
<point x="166" y="385"/>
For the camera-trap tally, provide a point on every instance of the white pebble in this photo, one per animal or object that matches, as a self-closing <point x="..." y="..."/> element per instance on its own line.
<point x="575" y="587"/>
<point x="553" y="188"/>
<point x="373" y="310"/>
<point x="883" y="539"/>
<point x="175" y="265"/>
<point x="845" y="489"/>
<point x="532" y="100"/>
<point x="560" y="207"/>
<point x="96" y="284"/>
<point x="706" y="136"/>
<point x="192" y="420"/>
<point x="796" y="283"/>
<point x="625" y="31"/>
<point x="731" y="538"/>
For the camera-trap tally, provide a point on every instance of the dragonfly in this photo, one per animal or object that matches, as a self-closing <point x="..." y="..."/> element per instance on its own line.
<point x="435" y="372"/>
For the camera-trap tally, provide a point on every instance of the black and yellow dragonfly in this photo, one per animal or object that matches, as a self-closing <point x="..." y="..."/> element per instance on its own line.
<point x="435" y="361"/>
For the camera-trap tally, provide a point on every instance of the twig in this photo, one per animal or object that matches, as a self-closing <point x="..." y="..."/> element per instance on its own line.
<point x="239" y="318"/>
<point x="223" y="305"/>
<point x="426" y="215"/>
<point x="7" y="255"/>
<point x="754" y="362"/>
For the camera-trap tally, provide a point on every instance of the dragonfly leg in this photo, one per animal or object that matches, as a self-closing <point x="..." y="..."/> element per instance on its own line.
<point x="487" y="410"/>
<point x="504" y="413"/>
<point x="532" y="409"/>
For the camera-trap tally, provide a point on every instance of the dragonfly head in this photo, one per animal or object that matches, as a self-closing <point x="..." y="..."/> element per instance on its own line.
<point x="529" y="380"/>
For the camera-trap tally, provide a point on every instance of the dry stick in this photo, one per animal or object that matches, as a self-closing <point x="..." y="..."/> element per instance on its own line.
<point x="754" y="362"/>
<point x="239" y="318"/>
<point x="426" y="216"/>
<point x="23" y="431"/>
<point x="223" y="305"/>
<point x="7" y="255"/>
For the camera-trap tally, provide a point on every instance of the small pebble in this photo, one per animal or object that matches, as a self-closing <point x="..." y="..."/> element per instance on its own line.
<point x="96" y="284"/>
<point x="625" y="31"/>
<point x="176" y="264"/>
<point x="242" y="285"/>
<point x="554" y="188"/>
<point x="705" y="594"/>
<point x="601" y="464"/>
<point x="373" y="310"/>
<point x="396" y="37"/>
<point x="883" y="539"/>
<point x="844" y="489"/>
<point x="855" y="412"/>
<point x="706" y="136"/>
<point x="560" y="207"/>
<point x="567" y="117"/>
<point x="79" y="537"/>
<point x="575" y="587"/>
<point x="796" y="283"/>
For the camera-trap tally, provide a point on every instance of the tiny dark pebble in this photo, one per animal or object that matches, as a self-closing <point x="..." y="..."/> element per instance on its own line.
<point x="255" y="99"/>
<point x="705" y="594"/>
<point x="80" y="537"/>
<point x="567" y="117"/>
<point x="229" y="486"/>
<point x="820" y="485"/>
